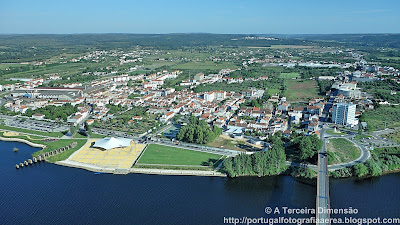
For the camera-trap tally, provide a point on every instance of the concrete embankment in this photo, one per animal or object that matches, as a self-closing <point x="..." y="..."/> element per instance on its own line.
<point x="23" y="141"/>
<point x="84" y="166"/>
<point x="94" y="168"/>
<point x="178" y="172"/>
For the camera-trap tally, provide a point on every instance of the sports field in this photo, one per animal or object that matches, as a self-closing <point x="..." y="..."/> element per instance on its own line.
<point x="160" y="154"/>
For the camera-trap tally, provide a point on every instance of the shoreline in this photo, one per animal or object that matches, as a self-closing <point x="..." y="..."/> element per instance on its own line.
<point x="23" y="141"/>
<point x="98" y="169"/>
<point x="93" y="168"/>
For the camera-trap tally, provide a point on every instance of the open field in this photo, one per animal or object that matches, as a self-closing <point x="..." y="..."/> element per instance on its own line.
<point x="299" y="90"/>
<point x="341" y="150"/>
<point x="381" y="117"/>
<point x="388" y="57"/>
<point x="289" y="75"/>
<point x="49" y="134"/>
<point x="159" y="154"/>
<point x="229" y="143"/>
<point x="395" y="136"/>
<point x="204" y="65"/>
<point x="292" y="46"/>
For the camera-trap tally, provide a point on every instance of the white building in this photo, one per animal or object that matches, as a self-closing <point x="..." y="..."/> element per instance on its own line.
<point x="209" y="97"/>
<point x="344" y="113"/>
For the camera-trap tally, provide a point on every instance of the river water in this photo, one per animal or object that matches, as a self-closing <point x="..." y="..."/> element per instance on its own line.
<point x="50" y="194"/>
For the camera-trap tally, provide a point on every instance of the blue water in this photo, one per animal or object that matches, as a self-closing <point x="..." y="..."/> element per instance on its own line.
<point x="51" y="194"/>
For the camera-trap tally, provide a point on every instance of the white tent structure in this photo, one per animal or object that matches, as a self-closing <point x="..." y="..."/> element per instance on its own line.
<point x="111" y="142"/>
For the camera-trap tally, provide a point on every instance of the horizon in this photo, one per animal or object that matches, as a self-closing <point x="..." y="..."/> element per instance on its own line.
<point x="199" y="33"/>
<point x="177" y="16"/>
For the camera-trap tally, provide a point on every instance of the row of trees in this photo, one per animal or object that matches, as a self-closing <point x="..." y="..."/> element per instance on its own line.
<point x="197" y="131"/>
<point x="270" y="162"/>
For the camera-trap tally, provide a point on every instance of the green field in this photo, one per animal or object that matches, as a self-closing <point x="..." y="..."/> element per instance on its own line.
<point x="381" y="117"/>
<point x="204" y="65"/>
<point x="299" y="90"/>
<point x="289" y="75"/>
<point x="388" y="57"/>
<point x="341" y="150"/>
<point x="159" y="154"/>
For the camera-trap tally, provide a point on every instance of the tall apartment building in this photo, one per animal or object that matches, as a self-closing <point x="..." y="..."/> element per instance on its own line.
<point x="344" y="113"/>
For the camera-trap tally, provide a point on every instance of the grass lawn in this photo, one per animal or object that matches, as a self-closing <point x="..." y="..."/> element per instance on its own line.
<point x="289" y="75"/>
<point x="273" y="91"/>
<point x="160" y="154"/>
<point x="78" y="135"/>
<point x="333" y="133"/>
<point x="93" y="135"/>
<point x="299" y="90"/>
<point x="58" y="144"/>
<point x="49" y="134"/>
<point x="341" y="150"/>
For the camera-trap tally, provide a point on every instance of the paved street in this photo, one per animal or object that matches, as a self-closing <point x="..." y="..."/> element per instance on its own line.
<point x="322" y="182"/>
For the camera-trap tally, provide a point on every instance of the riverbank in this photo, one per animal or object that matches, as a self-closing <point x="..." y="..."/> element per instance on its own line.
<point x="99" y="169"/>
<point x="23" y="141"/>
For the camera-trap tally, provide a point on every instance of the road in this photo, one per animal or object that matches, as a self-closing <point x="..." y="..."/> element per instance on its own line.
<point x="322" y="183"/>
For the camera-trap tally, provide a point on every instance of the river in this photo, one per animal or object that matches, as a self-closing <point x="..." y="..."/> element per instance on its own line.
<point x="50" y="194"/>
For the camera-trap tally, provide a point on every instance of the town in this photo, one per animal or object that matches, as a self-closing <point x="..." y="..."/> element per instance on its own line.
<point x="256" y="93"/>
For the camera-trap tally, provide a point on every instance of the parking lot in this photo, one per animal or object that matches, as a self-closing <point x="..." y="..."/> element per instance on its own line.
<point x="43" y="126"/>
<point x="111" y="133"/>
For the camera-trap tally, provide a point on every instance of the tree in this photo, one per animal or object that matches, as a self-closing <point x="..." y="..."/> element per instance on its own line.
<point x="228" y="167"/>
<point x="360" y="170"/>
<point x="72" y="130"/>
<point x="360" y="130"/>
<point x="306" y="149"/>
<point x="198" y="131"/>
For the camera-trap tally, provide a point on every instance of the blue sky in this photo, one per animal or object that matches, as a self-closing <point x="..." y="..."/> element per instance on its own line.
<point x="216" y="16"/>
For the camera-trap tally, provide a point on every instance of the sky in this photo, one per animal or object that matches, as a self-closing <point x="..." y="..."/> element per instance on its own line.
<point x="201" y="16"/>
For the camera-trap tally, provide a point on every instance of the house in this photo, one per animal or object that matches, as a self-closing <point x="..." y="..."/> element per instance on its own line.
<point x="90" y="121"/>
<point x="283" y="107"/>
<point x="38" y="116"/>
<point x="167" y="116"/>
